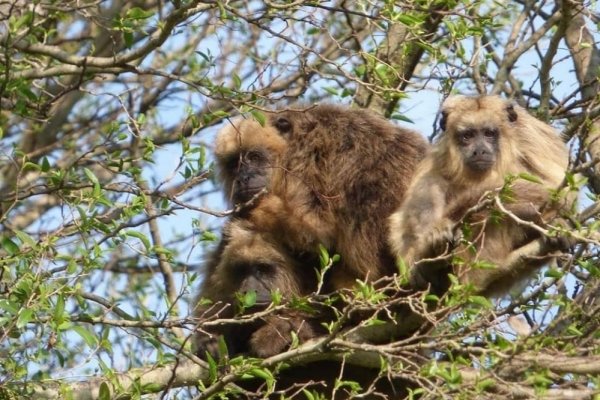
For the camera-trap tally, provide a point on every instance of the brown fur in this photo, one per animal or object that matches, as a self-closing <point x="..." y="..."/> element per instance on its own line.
<point x="248" y="260"/>
<point x="333" y="175"/>
<point x="344" y="171"/>
<point x="445" y="187"/>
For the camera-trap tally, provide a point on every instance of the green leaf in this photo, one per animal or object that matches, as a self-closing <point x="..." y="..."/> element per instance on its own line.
<point x="59" y="308"/>
<point x="138" y="13"/>
<point x="162" y="250"/>
<point x="25" y="316"/>
<point x="104" y="392"/>
<point x="222" y="346"/>
<point x="45" y="164"/>
<point x="31" y="166"/>
<point x="237" y="82"/>
<point x="486" y="383"/>
<point x="309" y="395"/>
<point x="554" y="273"/>
<point x="72" y="266"/>
<point x="529" y="177"/>
<point x="208" y="237"/>
<point x="10" y="246"/>
<point x="402" y="117"/>
<point x="88" y="337"/>
<point x="92" y="178"/>
<point x="9" y="307"/>
<point x="23" y="20"/>
<point x="141" y="237"/>
<point x="573" y="330"/>
<point x="64" y="326"/>
<point x="212" y="367"/>
<point x="25" y="238"/>
<point x="323" y="256"/>
<point x="407" y="19"/>
<point x="263" y="374"/>
<point x="481" y="301"/>
<point x="259" y="117"/>
<point x="249" y="299"/>
<point x="276" y="296"/>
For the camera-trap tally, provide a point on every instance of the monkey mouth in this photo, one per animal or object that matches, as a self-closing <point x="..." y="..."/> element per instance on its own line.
<point x="481" y="164"/>
<point x="243" y="196"/>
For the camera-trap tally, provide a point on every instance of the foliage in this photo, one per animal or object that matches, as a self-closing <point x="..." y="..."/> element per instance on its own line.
<point x="107" y="114"/>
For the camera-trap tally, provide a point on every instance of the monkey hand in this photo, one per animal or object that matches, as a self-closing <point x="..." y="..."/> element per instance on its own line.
<point x="430" y="275"/>
<point x="440" y="239"/>
<point x="557" y="239"/>
<point x="266" y="216"/>
<point x="559" y="242"/>
<point x="205" y="343"/>
<point x="276" y="335"/>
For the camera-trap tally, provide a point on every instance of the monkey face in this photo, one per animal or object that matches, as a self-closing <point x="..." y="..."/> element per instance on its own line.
<point x="476" y="125"/>
<point x="257" y="277"/>
<point x="479" y="147"/>
<point x="251" y="173"/>
<point x="247" y="153"/>
<point x="253" y="262"/>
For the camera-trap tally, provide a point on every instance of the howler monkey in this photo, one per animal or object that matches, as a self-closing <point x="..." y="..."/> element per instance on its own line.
<point x="333" y="176"/>
<point x="485" y="141"/>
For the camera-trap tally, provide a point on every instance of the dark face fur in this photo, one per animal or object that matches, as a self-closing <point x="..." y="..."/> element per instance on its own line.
<point x="479" y="147"/>
<point x="257" y="277"/>
<point x="251" y="168"/>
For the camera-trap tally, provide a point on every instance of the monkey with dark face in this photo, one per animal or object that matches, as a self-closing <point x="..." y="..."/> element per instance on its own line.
<point x="246" y="155"/>
<point x="248" y="262"/>
<point x="485" y="140"/>
<point x="333" y="175"/>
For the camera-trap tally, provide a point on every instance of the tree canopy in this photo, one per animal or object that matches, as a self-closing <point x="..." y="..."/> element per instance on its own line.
<point x="108" y="205"/>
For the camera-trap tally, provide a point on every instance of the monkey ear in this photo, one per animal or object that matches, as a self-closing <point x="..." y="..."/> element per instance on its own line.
<point x="512" y="113"/>
<point x="443" y="119"/>
<point x="283" y="125"/>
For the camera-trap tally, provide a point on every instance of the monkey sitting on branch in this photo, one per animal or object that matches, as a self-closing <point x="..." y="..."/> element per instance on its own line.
<point x="488" y="146"/>
<point x="333" y="176"/>
<point x="242" y="276"/>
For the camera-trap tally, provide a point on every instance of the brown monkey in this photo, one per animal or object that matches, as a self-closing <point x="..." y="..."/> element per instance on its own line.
<point x="246" y="154"/>
<point x="334" y="175"/>
<point x="485" y="140"/>
<point x="249" y="261"/>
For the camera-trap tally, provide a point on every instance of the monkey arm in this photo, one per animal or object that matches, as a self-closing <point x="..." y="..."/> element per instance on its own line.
<point x="276" y="335"/>
<point x="416" y="226"/>
<point x="527" y="201"/>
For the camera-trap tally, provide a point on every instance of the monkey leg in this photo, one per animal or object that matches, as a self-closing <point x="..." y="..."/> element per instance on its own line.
<point x="276" y="335"/>
<point x="207" y="343"/>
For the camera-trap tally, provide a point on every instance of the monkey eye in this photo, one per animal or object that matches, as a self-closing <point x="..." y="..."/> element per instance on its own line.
<point x="255" y="158"/>
<point x="283" y="125"/>
<point x="467" y="135"/>
<point x="490" y="133"/>
<point x="262" y="269"/>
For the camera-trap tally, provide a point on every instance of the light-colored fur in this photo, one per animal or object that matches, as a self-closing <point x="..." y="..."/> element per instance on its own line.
<point x="442" y="182"/>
